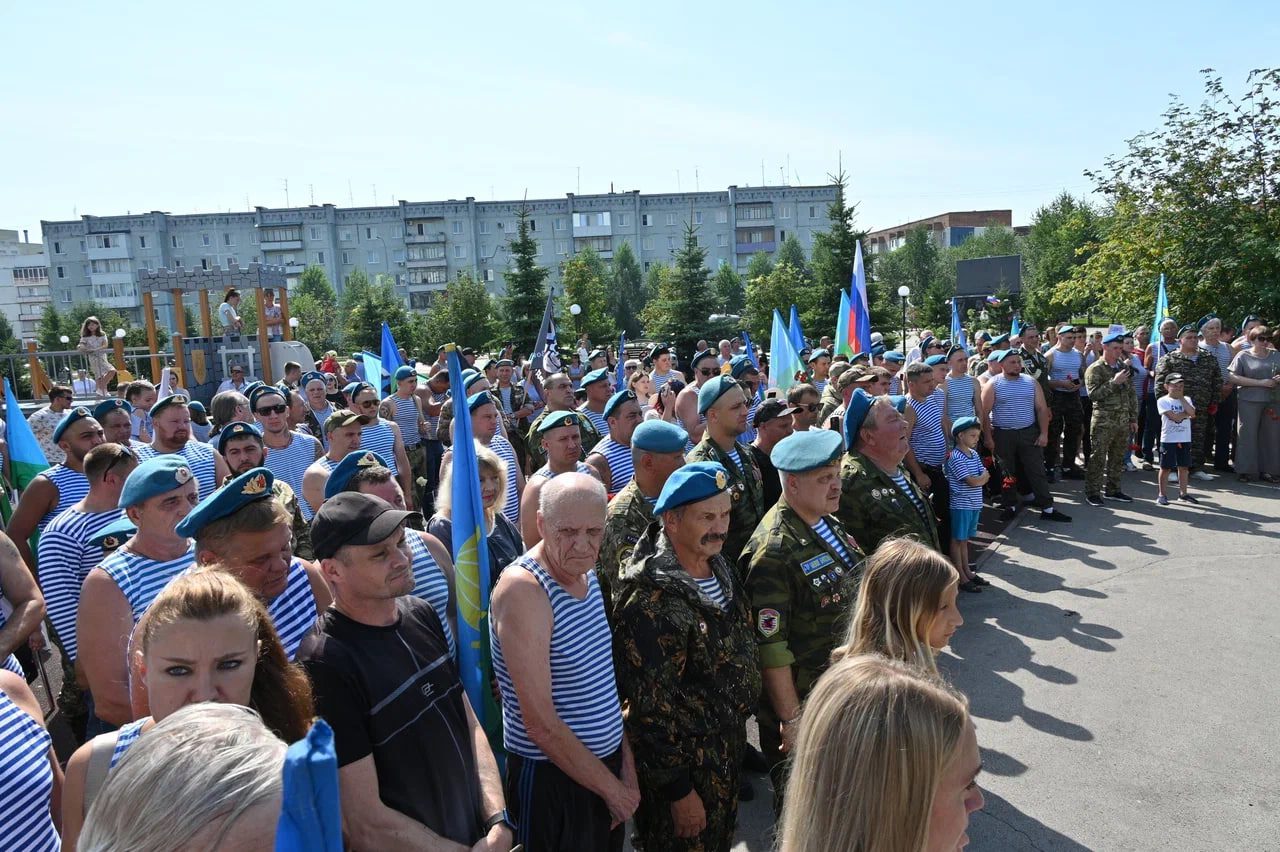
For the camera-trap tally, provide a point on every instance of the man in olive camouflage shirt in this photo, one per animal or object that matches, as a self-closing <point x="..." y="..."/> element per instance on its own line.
<point x="724" y="403"/>
<point x="802" y="571"/>
<point x="686" y="664"/>
<point x="1109" y="381"/>
<point x="557" y="391"/>
<point x="1202" y="381"/>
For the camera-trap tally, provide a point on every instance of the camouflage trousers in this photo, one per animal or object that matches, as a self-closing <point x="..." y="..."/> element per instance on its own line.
<point x="716" y="783"/>
<point x="1110" y="443"/>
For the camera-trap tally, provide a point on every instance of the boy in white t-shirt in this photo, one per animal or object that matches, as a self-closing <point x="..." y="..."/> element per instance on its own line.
<point x="1176" y="414"/>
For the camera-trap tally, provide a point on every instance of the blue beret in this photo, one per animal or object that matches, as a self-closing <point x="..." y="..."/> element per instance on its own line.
<point x="659" y="436"/>
<point x="1066" y="329"/>
<point x="1203" y="321"/>
<point x="926" y="341"/>
<point x="556" y="419"/>
<point x="107" y="406"/>
<point x="1115" y="337"/>
<point x="899" y="401"/>
<point x="1000" y="341"/>
<point x="981" y="336"/>
<point x="740" y="365"/>
<point x="171" y="399"/>
<point x="965" y="423"/>
<point x="936" y="360"/>
<point x="893" y="356"/>
<point x="235" y="429"/>
<point x="594" y="376"/>
<point x="403" y="373"/>
<point x="196" y="405"/>
<point x="804" y="451"/>
<point x="701" y="356"/>
<point x="1005" y="354"/>
<point x="157" y="475"/>
<point x="311" y="376"/>
<point x="855" y="412"/>
<point x="615" y="402"/>
<point x="818" y="353"/>
<point x="354" y="388"/>
<point x="73" y="416"/>
<point x="859" y="356"/>
<point x="114" y="534"/>
<point x="877" y="351"/>
<point x="1189" y="327"/>
<point x="691" y="484"/>
<point x="476" y="400"/>
<point x="470" y="377"/>
<point x="350" y="465"/>
<point x="259" y="392"/>
<point x="713" y="389"/>
<point x="252" y="386"/>
<point x="596" y="353"/>
<point x="506" y="362"/>
<point x="248" y="487"/>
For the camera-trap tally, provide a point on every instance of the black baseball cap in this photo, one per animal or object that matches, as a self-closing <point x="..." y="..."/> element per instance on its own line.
<point x="354" y="518"/>
<point x="771" y="409"/>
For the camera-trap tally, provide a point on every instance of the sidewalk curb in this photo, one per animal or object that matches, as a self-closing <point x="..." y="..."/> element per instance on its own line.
<point x="1001" y="539"/>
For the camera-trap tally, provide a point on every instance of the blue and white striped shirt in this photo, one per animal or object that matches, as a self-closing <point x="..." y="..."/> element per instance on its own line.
<point x="581" y="467"/>
<point x="960" y="397"/>
<point x="503" y="449"/>
<point x="26" y="782"/>
<point x="200" y="458"/>
<point x="584" y="690"/>
<point x="433" y="422"/>
<point x="732" y="453"/>
<point x="294" y="610"/>
<point x="380" y="438"/>
<point x="621" y="468"/>
<point x="322" y="414"/>
<point x="1015" y="405"/>
<point x="407" y="419"/>
<point x="126" y="736"/>
<point x="900" y="480"/>
<point x="597" y="420"/>
<point x="140" y="578"/>
<point x="65" y="558"/>
<point x="289" y="464"/>
<point x="430" y="584"/>
<point x="824" y="532"/>
<point x="711" y="587"/>
<point x="1066" y="365"/>
<point x="660" y="379"/>
<point x="72" y="488"/>
<point x="959" y="465"/>
<point x="927" y="440"/>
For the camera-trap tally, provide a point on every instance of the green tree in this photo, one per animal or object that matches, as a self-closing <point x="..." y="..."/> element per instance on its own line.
<point x="657" y="276"/>
<point x="315" y="305"/>
<point x="759" y="264"/>
<point x="793" y="253"/>
<point x="526" y="297"/>
<point x="783" y="286"/>
<point x="462" y="314"/>
<point x="583" y="278"/>
<point x="918" y="264"/>
<point x="366" y="307"/>
<point x="1060" y="239"/>
<point x="832" y="265"/>
<point x="628" y="295"/>
<point x="679" y="313"/>
<point x="50" y="330"/>
<point x="9" y="342"/>
<point x="731" y="296"/>
<point x="1195" y="199"/>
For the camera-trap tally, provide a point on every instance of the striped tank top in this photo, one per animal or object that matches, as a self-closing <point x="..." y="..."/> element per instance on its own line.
<point x="750" y="435"/>
<point x="430" y="584"/>
<point x="26" y="782"/>
<point x="927" y="440"/>
<point x="126" y="736"/>
<point x="433" y="423"/>
<point x="895" y="384"/>
<point x="820" y="384"/>
<point x="65" y="559"/>
<point x="200" y="458"/>
<point x="621" y="468"/>
<point x="584" y="690"/>
<point x="1066" y="366"/>
<point x="597" y="420"/>
<point x="824" y="532"/>
<point x="289" y="464"/>
<point x="711" y="587"/>
<point x="660" y="379"/>
<point x="379" y="438"/>
<point x="960" y="397"/>
<point x="407" y="419"/>
<point x="503" y="449"/>
<point x="581" y="467"/>
<point x="140" y="578"/>
<point x="900" y="480"/>
<point x="322" y="414"/>
<point x="72" y="487"/>
<point x="1015" y="405"/>
<point x="293" y="612"/>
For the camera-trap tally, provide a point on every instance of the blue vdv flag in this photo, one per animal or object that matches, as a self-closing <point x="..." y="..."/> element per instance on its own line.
<point x="391" y="360"/>
<point x="1162" y="309"/>
<point x="621" y="382"/>
<point x="957" y="330"/>
<point x="794" y="332"/>
<point x="310" y="807"/>
<point x="751" y="350"/>
<point x="373" y="371"/>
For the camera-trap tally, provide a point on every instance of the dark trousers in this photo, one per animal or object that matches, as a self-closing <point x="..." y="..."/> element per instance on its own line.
<point x="554" y="813"/>
<point x="435" y="454"/>
<point x="940" y="497"/>
<point x="1064" y="430"/>
<point x="1149" y="427"/>
<point x="1086" y="415"/>
<point x="1219" y="435"/>
<point x="1019" y="445"/>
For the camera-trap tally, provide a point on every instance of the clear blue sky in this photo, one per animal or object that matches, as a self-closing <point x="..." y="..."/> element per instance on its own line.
<point x="192" y="107"/>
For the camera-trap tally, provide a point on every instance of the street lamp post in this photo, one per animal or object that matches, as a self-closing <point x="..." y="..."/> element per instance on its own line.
<point x="66" y="341"/>
<point x="576" y="310"/>
<point x="903" y="292"/>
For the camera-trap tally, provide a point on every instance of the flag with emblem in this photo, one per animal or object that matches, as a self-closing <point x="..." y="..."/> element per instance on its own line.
<point x="1162" y="307"/>
<point x="471" y="568"/>
<point x="546" y="355"/>
<point x="390" y="359"/>
<point x="26" y="459"/>
<point x="859" y="304"/>
<point x="621" y="383"/>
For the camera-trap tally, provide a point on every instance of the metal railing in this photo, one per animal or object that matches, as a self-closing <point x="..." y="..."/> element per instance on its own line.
<point x="60" y="367"/>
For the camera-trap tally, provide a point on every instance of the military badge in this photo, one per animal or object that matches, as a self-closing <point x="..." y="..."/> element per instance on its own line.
<point x="255" y="486"/>
<point x="768" y="622"/>
<point x="722" y="481"/>
<point x="182" y="475"/>
<point x="110" y="543"/>
<point x="368" y="460"/>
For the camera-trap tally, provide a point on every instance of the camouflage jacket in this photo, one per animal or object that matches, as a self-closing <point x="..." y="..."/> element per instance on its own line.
<point x="872" y="507"/>
<point x="1112" y="404"/>
<point x="977" y="365"/>
<point x="802" y="591"/>
<point x="746" y="487"/>
<point x="1035" y="366"/>
<point x="630" y="513"/>
<point x="687" y="670"/>
<point x="832" y="399"/>
<point x="1203" y="379"/>
<point x="533" y="441"/>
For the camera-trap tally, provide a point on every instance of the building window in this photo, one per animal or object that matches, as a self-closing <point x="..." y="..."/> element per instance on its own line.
<point x="66" y="297"/>
<point x="460" y="251"/>
<point x="373" y="257"/>
<point x="229" y="260"/>
<point x="813" y="211"/>
<point x="204" y="263"/>
<point x="428" y="276"/>
<point x="253" y="238"/>
<point x="647" y="264"/>
<point x="722" y="239"/>
<point x="282" y="235"/>
<point x="397" y="255"/>
<point x="345" y="236"/>
<point x="176" y="242"/>
<point x="786" y="212"/>
<point x="82" y="249"/>
<point x="698" y="240"/>
<point x="533" y="226"/>
<point x="227" y="240"/>
<point x="646" y="244"/>
<point x="697" y="217"/>
<point x="114" y="265"/>
<point x="177" y="263"/>
<point x="346" y="258"/>
<point x="62" y="272"/>
<point x="204" y="239"/>
<point x="319" y="257"/>
<point x="457" y="226"/>
<point x="782" y="236"/>
<point x="142" y="242"/>
<point x="484" y="227"/>
<point x="57" y="247"/>
<point x="255" y="259"/>
<point x="671" y="219"/>
<point x="562" y="246"/>
<point x="488" y="275"/>
<point x="591" y="220"/>
<point x="624" y="220"/>
<point x="559" y="224"/>
<point x="755" y="211"/>
<point x="370" y="233"/>
<point x="433" y="251"/>
<point x="106" y="241"/>
<point x="671" y="242"/>
<point x="722" y="216"/>
<point x="314" y="231"/>
<point x="646" y="220"/>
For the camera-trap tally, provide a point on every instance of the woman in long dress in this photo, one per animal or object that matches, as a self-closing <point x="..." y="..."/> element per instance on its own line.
<point x="94" y="344"/>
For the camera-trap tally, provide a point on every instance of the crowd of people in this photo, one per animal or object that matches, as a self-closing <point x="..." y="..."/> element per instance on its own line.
<point x="679" y="551"/>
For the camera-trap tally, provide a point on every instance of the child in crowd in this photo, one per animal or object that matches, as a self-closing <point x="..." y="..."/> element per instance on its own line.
<point x="906" y="607"/>
<point x="1176" y="413"/>
<point x="966" y="474"/>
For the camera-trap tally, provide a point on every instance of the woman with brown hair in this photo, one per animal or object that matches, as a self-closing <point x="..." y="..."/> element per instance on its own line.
<point x="94" y="344"/>
<point x="1256" y="371"/>
<point x="205" y="637"/>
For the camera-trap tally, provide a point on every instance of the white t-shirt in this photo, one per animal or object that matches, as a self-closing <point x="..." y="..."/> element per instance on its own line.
<point x="227" y="314"/>
<point x="1170" y="432"/>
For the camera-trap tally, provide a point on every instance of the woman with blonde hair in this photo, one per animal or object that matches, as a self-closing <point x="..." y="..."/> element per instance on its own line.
<point x="205" y="637"/>
<point x="503" y="537"/>
<point x="906" y="607"/>
<point x="886" y="759"/>
<point x="94" y="344"/>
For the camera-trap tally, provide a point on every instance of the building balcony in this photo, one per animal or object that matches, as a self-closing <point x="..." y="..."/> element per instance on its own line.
<point x="593" y="231"/>
<point x="294" y="268"/>
<point x="282" y="245"/>
<point x="752" y="248"/>
<point x="414" y="239"/>
<point x="115" y="252"/>
<point x="117" y="301"/>
<point x="111" y="279"/>
<point x="427" y="263"/>
<point x="34" y="299"/>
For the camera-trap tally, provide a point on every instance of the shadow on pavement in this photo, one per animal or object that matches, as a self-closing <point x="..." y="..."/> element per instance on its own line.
<point x="1001" y="826"/>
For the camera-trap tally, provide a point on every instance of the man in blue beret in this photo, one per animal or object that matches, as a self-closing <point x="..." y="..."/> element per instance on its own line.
<point x="287" y="453"/>
<point x="893" y="362"/>
<point x="561" y="437"/>
<point x="689" y="774"/>
<point x="657" y="451"/>
<point x="724" y="403"/>
<point x="59" y="487"/>
<point x="879" y="499"/>
<point x="342" y="429"/>
<point x="1034" y="363"/>
<point x="802" y="570"/>
<point x="157" y="495"/>
<point x="1202" y="382"/>
<point x="745" y="371"/>
<point x="171" y="435"/>
<point x="486" y="429"/>
<point x="611" y="458"/>
<point x="404" y="408"/>
<point x="1064" y="376"/>
<point x="473" y="382"/>
<point x="598" y="390"/>
<point x="557" y="392"/>
<point x="240" y="445"/>
<point x="819" y="369"/>
<point x="115" y="416"/>
<point x="383" y="437"/>
<point x="1109" y="381"/>
<point x="929" y="426"/>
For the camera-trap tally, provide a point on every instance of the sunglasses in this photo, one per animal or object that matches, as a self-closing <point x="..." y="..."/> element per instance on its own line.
<point x="368" y="403"/>
<point x="121" y="455"/>
<point x="810" y="407"/>
<point x="273" y="409"/>
<point x="706" y="372"/>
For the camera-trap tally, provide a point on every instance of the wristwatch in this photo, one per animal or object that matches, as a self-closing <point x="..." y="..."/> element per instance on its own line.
<point x="500" y="818"/>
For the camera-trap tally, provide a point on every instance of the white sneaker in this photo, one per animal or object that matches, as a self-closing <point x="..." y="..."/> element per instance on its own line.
<point x="1130" y="466"/>
<point x="1202" y="476"/>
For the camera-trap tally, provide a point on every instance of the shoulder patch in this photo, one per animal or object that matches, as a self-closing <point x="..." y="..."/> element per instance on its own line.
<point x="768" y="622"/>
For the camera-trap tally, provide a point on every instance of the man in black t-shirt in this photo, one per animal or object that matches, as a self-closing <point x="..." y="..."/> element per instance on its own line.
<point x="772" y="423"/>
<point x="415" y="767"/>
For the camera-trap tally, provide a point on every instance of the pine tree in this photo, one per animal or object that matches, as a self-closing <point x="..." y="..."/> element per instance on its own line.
<point x="526" y="297"/>
<point x="679" y="314"/>
<point x="832" y="264"/>
<point x="50" y="330"/>
<point x="628" y="296"/>
<point x="730" y="295"/>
